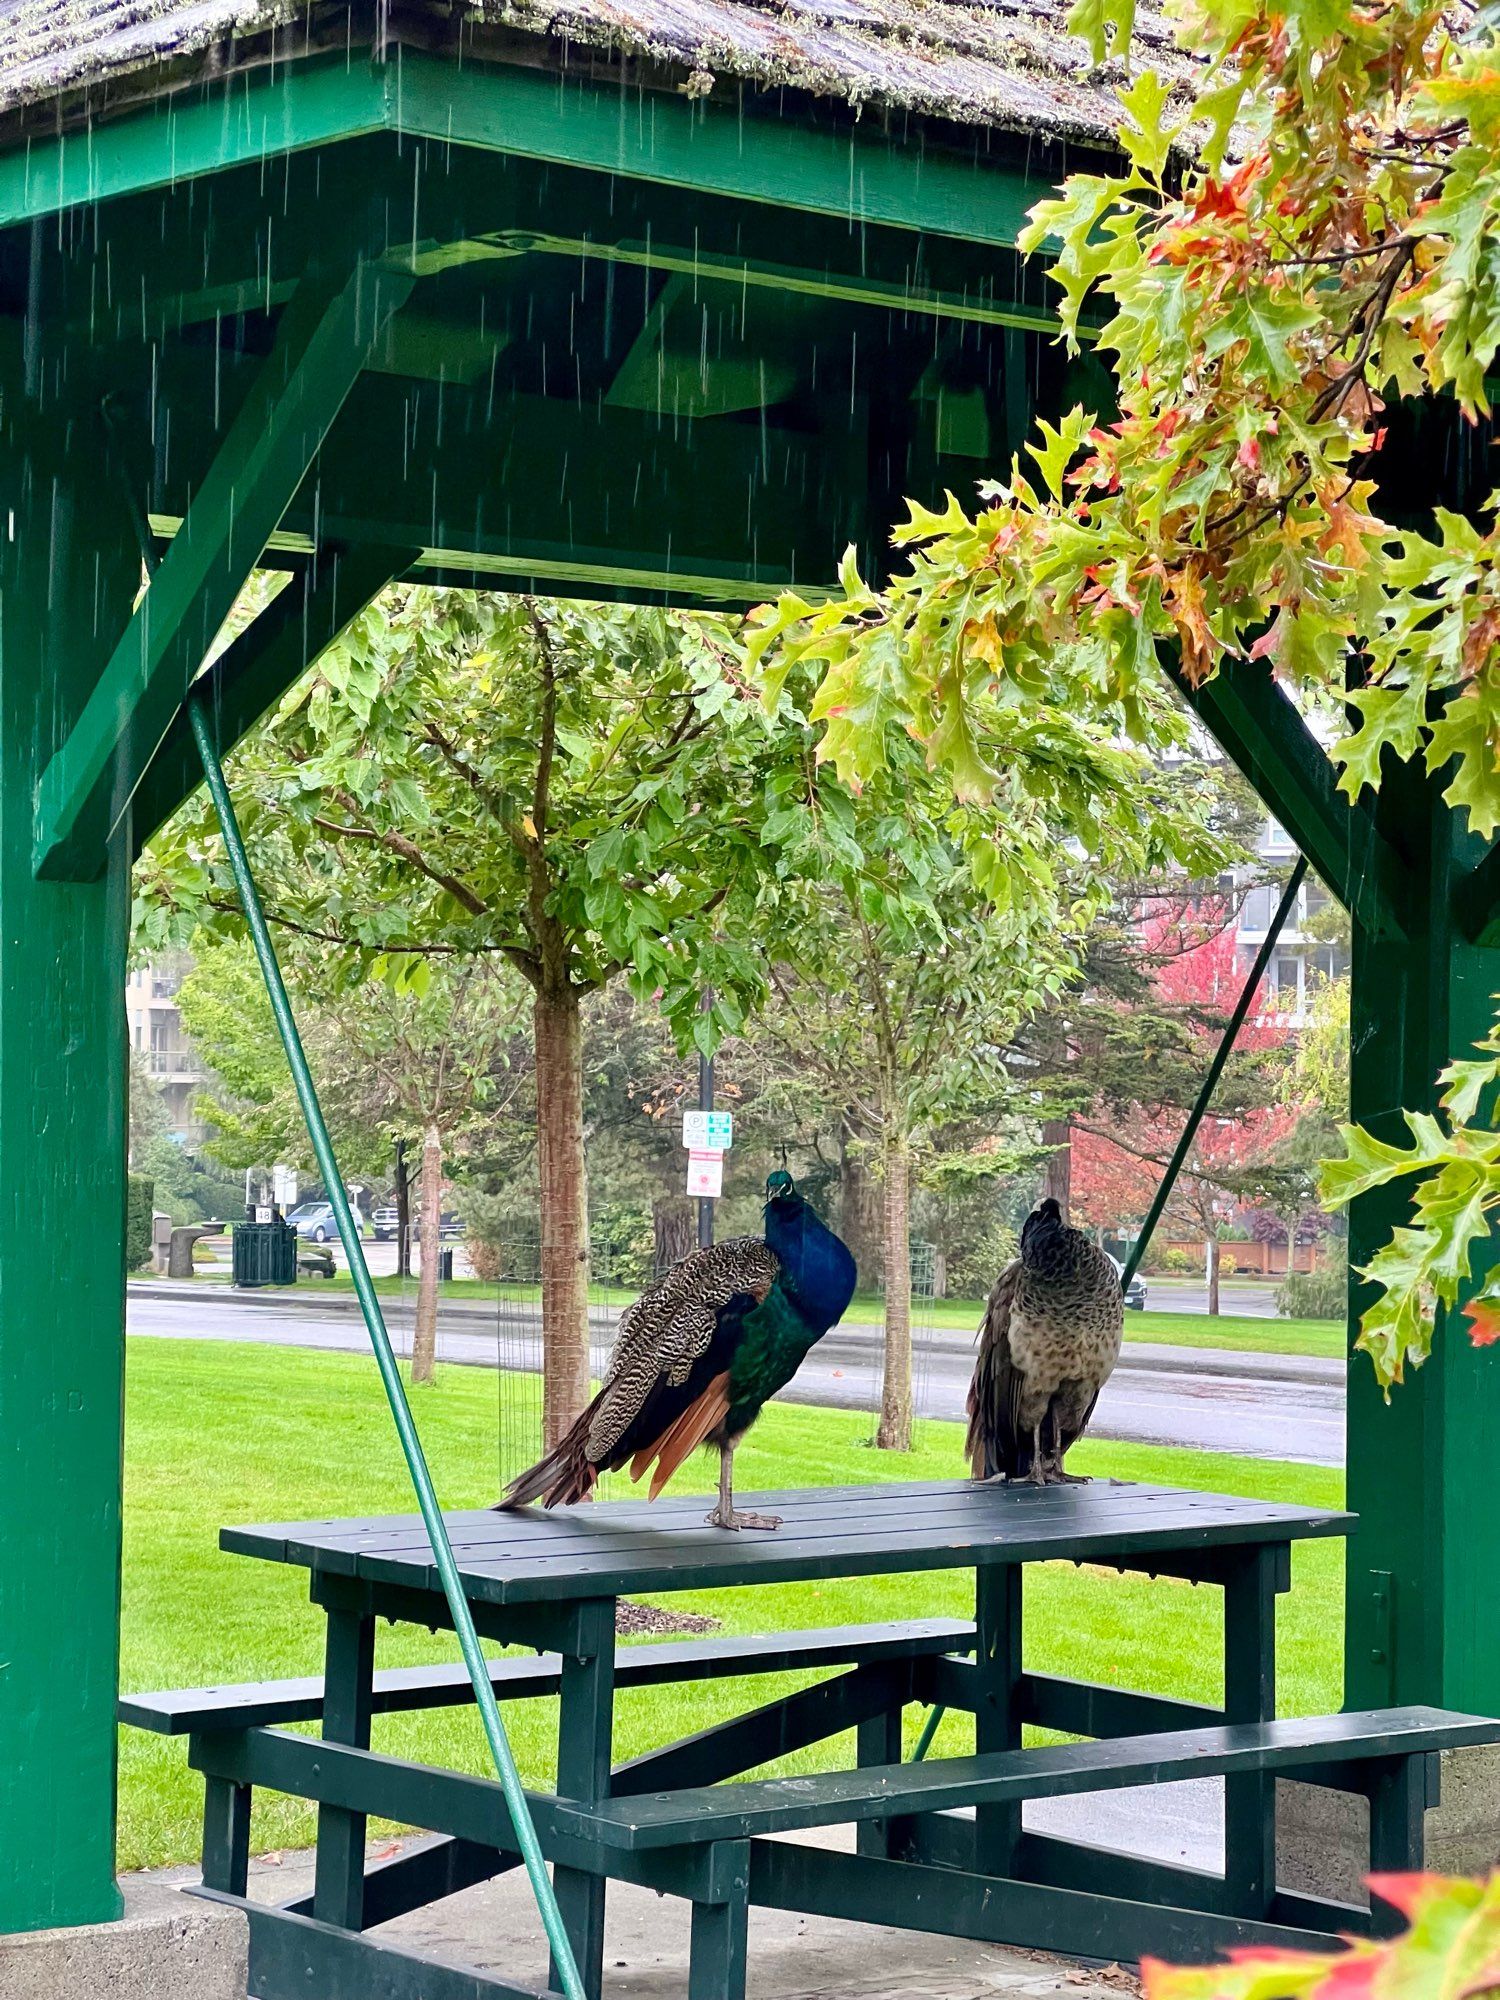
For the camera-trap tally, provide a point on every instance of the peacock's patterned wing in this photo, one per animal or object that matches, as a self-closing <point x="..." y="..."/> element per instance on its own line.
<point x="669" y="1326"/>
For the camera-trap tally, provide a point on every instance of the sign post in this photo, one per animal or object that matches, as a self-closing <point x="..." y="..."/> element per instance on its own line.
<point x="707" y="1136"/>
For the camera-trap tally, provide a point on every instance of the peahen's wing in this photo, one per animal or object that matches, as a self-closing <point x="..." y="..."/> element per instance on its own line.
<point x="670" y="1326"/>
<point x="994" y="1440"/>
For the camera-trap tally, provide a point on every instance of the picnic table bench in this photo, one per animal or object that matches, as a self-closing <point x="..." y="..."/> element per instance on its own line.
<point x="938" y="1846"/>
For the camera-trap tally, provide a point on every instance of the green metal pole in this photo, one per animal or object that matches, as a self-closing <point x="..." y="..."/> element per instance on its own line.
<point x="385" y="1358"/>
<point x="929" y="1730"/>
<point x="1215" y="1071"/>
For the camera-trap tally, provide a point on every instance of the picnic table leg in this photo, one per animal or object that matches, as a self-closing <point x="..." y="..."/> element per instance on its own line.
<point x="877" y="1740"/>
<point x="585" y="1732"/>
<point x="1250" y="1588"/>
<point x="348" y="1672"/>
<point x="1398" y="1816"/>
<point x="226" y="1835"/>
<point x="720" y="1930"/>
<point x="997" y="1722"/>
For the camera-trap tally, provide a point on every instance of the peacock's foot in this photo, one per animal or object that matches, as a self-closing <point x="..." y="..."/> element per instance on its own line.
<point x="1039" y="1475"/>
<point x="731" y="1517"/>
<point x="1057" y="1477"/>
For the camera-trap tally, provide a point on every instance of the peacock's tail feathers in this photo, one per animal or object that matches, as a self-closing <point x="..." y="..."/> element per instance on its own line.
<point x="563" y="1476"/>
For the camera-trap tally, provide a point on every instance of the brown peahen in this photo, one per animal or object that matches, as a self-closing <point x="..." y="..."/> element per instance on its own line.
<point x="1048" y="1343"/>
<point x="699" y="1353"/>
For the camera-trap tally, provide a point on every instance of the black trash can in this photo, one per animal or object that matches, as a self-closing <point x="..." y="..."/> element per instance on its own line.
<point x="445" y="1265"/>
<point x="265" y="1253"/>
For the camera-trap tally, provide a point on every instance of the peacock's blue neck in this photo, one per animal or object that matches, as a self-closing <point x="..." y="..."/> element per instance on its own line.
<point x="817" y="1270"/>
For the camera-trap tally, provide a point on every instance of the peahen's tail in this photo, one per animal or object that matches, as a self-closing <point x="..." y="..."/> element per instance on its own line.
<point x="991" y="1445"/>
<point x="561" y="1477"/>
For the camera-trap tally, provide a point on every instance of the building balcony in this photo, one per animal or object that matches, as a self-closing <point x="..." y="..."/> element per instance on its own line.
<point x="181" y="1065"/>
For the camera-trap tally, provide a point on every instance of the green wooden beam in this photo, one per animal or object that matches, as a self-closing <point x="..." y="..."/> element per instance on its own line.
<point x="67" y="579"/>
<point x="1422" y="1615"/>
<point x="321" y="345"/>
<point x="307" y="615"/>
<point x="1476" y="901"/>
<point x="1261" y="733"/>
<point x="852" y="171"/>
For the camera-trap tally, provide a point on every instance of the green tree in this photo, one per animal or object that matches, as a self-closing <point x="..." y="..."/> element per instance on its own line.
<point x="578" y="790"/>
<point x="431" y="1063"/>
<point x="1308" y="232"/>
<point x="932" y="932"/>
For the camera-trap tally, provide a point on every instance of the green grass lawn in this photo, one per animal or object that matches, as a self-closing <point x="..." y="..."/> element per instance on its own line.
<point x="1326" y="1337"/>
<point x="219" y="1434"/>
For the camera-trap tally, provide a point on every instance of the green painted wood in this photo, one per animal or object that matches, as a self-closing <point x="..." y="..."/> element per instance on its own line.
<point x="1423" y="1617"/>
<point x="843" y="168"/>
<point x="997" y="1708"/>
<point x="68" y="573"/>
<point x="349" y="1664"/>
<point x="294" y="1956"/>
<point x="543" y="1559"/>
<point x="320" y="347"/>
<point x="305" y="616"/>
<point x="585" y="1727"/>
<point x="427" y="1872"/>
<point x="777" y="1729"/>
<point x="445" y="1802"/>
<point x="1250" y="1696"/>
<point x="777" y="1805"/>
<point x="1476" y="901"/>
<point x="950" y="1903"/>
<point x="720" y="1938"/>
<point x="176" y="1711"/>
<point x="1088" y="1708"/>
<point x="879" y="1739"/>
<point x="226" y="1835"/>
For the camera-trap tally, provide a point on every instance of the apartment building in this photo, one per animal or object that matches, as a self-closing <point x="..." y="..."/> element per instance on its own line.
<point x="160" y="1040"/>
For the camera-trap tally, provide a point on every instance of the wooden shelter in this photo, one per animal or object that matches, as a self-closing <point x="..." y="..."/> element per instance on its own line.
<point x="666" y="299"/>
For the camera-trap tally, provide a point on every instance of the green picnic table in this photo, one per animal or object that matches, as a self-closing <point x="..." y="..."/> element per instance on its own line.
<point x="938" y="1846"/>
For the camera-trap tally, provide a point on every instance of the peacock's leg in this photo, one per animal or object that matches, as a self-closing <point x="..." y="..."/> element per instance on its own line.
<point x="1037" y="1472"/>
<point x="724" y="1515"/>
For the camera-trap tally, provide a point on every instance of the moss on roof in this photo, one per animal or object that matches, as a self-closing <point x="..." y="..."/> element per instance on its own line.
<point x="1009" y="64"/>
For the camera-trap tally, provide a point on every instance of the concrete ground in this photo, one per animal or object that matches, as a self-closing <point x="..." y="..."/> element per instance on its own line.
<point x="172" y="1946"/>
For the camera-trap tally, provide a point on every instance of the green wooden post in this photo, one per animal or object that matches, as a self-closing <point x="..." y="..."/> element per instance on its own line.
<point x="68" y="571"/>
<point x="1423" y="1620"/>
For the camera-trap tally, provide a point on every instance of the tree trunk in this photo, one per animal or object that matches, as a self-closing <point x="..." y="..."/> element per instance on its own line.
<point x="424" y="1339"/>
<point x="1057" y="1182"/>
<point x="1211" y="1255"/>
<point x="564" y="1218"/>
<point x="860" y="1220"/>
<point x="675" y="1229"/>
<point x="895" y="1394"/>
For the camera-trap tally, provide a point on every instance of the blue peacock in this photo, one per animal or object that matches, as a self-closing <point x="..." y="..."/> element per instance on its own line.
<point x="699" y="1353"/>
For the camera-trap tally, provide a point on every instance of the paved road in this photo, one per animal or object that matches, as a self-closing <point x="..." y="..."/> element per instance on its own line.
<point x="1260" y="1407"/>
<point x="1243" y="1298"/>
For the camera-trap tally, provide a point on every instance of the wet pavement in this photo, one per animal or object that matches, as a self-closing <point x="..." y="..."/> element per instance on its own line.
<point x="1257" y="1406"/>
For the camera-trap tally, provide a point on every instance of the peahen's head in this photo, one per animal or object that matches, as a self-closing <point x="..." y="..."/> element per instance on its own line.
<point x="1048" y="1245"/>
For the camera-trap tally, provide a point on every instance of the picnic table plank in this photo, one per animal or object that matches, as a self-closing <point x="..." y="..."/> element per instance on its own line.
<point x="750" y="1810"/>
<point x="618" y="1547"/>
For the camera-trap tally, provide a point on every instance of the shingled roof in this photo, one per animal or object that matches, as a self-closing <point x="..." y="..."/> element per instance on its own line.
<point x="1009" y="64"/>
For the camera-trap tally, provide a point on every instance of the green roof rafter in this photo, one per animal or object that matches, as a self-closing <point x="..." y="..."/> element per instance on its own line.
<point x="857" y="173"/>
<point x="324" y="338"/>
